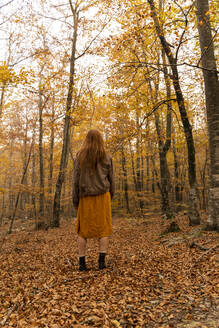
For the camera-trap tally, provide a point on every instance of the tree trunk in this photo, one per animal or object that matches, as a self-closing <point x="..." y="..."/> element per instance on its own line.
<point x="125" y="179"/>
<point x="133" y="166"/>
<point x="147" y="172"/>
<point x="2" y="100"/>
<point x="65" y="148"/>
<point x="11" y="198"/>
<point x="204" y="181"/>
<point x="211" y="83"/>
<point x="51" y="153"/>
<point x="138" y="164"/>
<point x="178" y="195"/>
<point x="24" y="195"/>
<point x="41" y="164"/>
<point x="153" y="178"/>
<point x="164" y="148"/>
<point x="64" y="204"/>
<point x="194" y="216"/>
<point x="142" y="171"/>
<point x="18" y="195"/>
<point x="33" y="181"/>
<point x="51" y="149"/>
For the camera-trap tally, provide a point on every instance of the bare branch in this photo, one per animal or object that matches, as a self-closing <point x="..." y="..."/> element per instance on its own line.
<point x="55" y="19"/>
<point x="6" y="4"/>
<point x="25" y="58"/>
<point x="73" y="10"/>
<point x="184" y="31"/>
<point x="160" y="103"/>
<point x="142" y="64"/>
<point x="92" y="41"/>
<point x="14" y="13"/>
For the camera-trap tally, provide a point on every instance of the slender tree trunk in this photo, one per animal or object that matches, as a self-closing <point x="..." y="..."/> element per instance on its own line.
<point x="178" y="196"/>
<point x="142" y="171"/>
<point x="138" y="165"/>
<point x="18" y="195"/>
<point x="194" y="216"/>
<point x="166" y="145"/>
<point x="133" y="166"/>
<point x="147" y="162"/>
<point x="10" y="209"/>
<point x="119" y="190"/>
<point x="65" y="148"/>
<point x="41" y="162"/>
<point x="125" y="179"/>
<point x="33" y="180"/>
<point x="64" y="205"/>
<point x="26" y="194"/>
<point x="23" y="196"/>
<point x="153" y="178"/>
<point x="51" y="150"/>
<point x="211" y="83"/>
<point x="147" y="172"/>
<point x="2" y="100"/>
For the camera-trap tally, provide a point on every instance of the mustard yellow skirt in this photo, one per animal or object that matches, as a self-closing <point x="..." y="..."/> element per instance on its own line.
<point x="94" y="218"/>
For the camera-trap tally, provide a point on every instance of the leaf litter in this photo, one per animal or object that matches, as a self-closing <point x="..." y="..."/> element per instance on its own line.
<point x="149" y="281"/>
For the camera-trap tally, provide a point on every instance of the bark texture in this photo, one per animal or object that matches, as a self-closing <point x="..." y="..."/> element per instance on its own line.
<point x="211" y="83"/>
<point x="164" y="147"/>
<point x="65" y="144"/>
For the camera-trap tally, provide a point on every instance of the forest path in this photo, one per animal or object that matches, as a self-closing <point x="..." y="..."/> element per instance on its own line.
<point x="149" y="281"/>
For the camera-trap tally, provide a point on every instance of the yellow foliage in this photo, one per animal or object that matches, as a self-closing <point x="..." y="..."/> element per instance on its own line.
<point x="6" y="74"/>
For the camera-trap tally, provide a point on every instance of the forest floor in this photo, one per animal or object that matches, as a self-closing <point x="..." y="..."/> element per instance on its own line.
<point x="152" y="279"/>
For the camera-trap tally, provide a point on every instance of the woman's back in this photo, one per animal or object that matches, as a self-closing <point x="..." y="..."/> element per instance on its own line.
<point x="93" y="169"/>
<point x="97" y="182"/>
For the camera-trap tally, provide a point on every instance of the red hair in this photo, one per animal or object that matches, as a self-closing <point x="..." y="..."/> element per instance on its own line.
<point x="92" y="151"/>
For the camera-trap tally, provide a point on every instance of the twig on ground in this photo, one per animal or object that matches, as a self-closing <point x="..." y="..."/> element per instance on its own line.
<point x="202" y="248"/>
<point x="10" y="311"/>
<point x="208" y="251"/>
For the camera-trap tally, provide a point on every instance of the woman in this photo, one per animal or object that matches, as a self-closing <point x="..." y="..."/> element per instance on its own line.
<point x="93" y="190"/>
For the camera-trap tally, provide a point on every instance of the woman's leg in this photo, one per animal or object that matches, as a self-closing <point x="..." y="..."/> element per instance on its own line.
<point x="103" y="246"/>
<point x="82" y="242"/>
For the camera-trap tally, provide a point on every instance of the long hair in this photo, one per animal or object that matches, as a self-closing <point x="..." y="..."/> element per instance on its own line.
<point x="92" y="151"/>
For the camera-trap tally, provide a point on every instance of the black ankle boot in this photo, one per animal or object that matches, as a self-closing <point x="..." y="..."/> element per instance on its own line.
<point x="101" y="261"/>
<point x="82" y="264"/>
